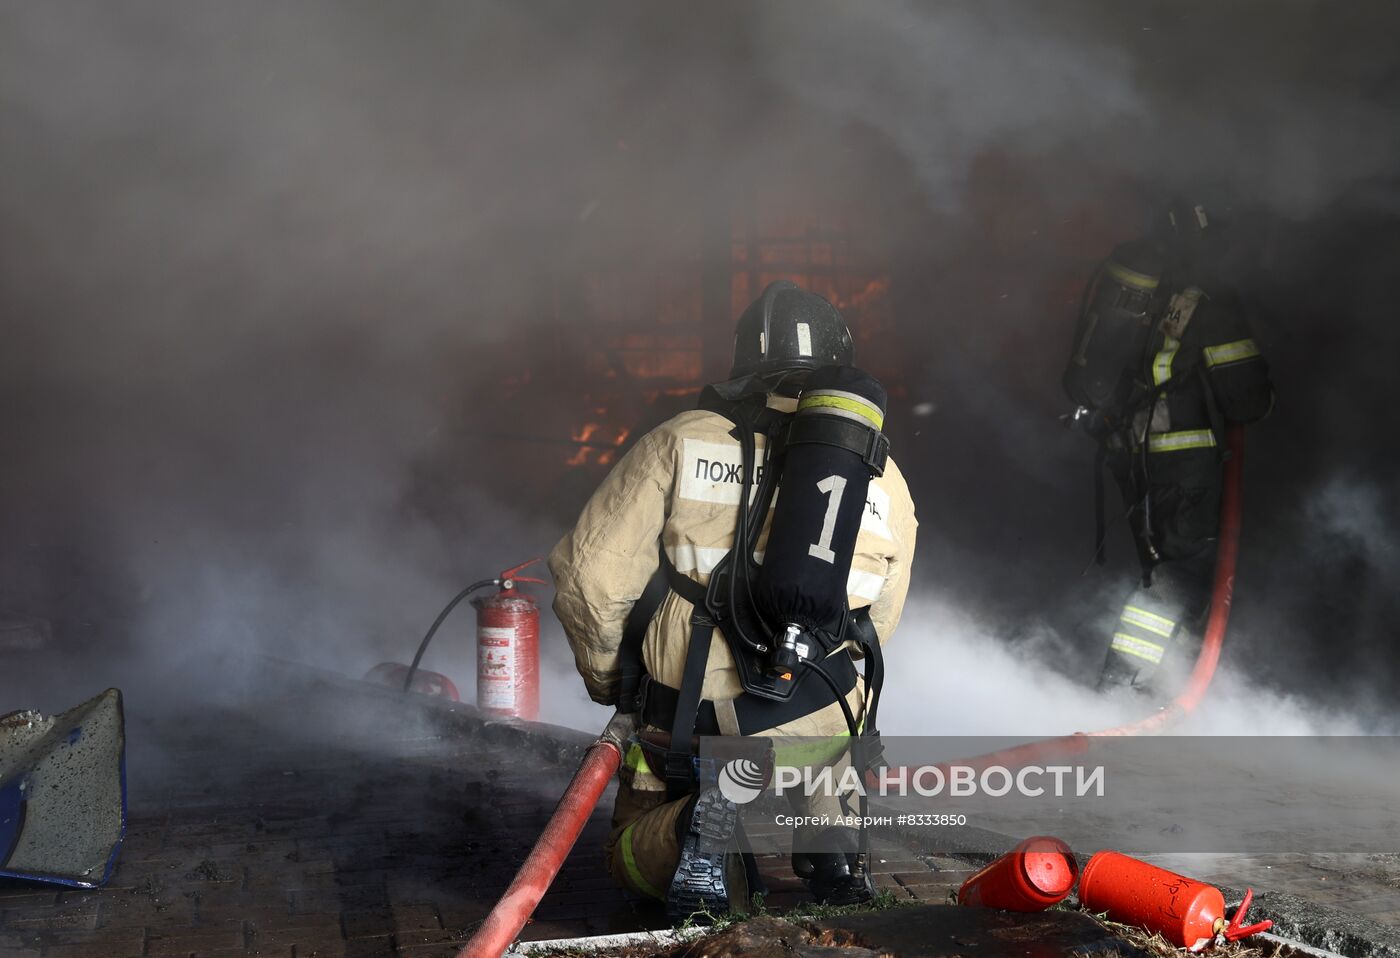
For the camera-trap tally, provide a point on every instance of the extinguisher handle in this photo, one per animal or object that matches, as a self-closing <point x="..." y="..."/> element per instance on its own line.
<point x="1237" y="929"/>
<point x="511" y="573"/>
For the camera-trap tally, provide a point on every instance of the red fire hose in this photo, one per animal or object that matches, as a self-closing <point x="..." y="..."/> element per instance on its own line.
<point x="544" y="861"/>
<point x="1190" y="696"/>
<point x="604" y="756"/>
<point x="1222" y="595"/>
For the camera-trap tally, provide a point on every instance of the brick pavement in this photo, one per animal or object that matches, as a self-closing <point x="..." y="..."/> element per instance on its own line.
<point x="329" y="820"/>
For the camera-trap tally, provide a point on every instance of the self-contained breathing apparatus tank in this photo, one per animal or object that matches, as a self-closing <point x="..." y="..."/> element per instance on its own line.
<point x="1115" y="320"/>
<point x="788" y="614"/>
<point x="834" y="448"/>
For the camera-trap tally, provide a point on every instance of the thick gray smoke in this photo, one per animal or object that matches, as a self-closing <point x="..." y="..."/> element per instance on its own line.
<point x="1282" y="104"/>
<point x="263" y="268"/>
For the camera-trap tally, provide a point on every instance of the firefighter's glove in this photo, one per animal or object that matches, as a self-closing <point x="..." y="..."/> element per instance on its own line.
<point x="1095" y="423"/>
<point x="620" y="730"/>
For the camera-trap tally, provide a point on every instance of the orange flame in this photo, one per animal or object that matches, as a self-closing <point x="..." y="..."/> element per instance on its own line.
<point x="598" y="450"/>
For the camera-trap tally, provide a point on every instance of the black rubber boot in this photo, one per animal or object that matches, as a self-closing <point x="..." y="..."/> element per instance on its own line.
<point x="835" y="877"/>
<point x="704" y="877"/>
<point x="1118" y="674"/>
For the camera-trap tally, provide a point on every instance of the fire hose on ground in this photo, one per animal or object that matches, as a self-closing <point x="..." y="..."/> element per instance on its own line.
<point x="1202" y="673"/>
<point x="604" y="757"/>
<point x="535" y="876"/>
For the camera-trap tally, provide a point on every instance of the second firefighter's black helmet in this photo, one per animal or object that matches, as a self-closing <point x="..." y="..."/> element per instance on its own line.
<point x="789" y="329"/>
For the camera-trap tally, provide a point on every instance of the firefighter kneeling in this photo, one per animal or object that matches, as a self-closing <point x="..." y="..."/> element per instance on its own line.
<point x="671" y="615"/>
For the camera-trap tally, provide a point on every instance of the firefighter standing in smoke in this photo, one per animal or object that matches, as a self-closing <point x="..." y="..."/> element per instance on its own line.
<point x="640" y="581"/>
<point x="1160" y="366"/>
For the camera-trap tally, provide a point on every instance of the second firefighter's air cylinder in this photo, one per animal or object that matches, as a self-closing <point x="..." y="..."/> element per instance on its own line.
<point x="834" y="448"/>
<point x="1034" y="875"/>
<point x="508" y="654"/>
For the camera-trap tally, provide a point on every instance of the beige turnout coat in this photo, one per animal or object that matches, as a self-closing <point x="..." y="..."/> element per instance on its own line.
<point x="680" y="486"/>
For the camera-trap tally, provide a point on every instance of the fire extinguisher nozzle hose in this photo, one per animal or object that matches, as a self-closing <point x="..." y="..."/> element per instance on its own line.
<point x="501" y="927"/>
<point x="437" y="623"/>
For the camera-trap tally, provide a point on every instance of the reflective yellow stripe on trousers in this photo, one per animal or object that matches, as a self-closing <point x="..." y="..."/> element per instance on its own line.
<point x="812" y="751"/>
<point x="1139" y="648"/>
<point x="1148" y="621"/>
<point x="636" y="759"/>
<point x="629" y="862"/>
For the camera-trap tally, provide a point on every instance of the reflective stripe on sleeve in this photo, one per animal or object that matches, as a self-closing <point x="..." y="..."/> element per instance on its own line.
<point x="1140" y="648"/>
<point x="1149" y="621"/>
<point x="1230" y="352"/>
<point x="1162" y="363"/>
<point x="1176" y="441"/>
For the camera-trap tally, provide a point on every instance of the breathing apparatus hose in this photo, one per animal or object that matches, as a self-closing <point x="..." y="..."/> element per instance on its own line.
<point x="743" y="550"/>
<point x="442" y="617"/>
<point x="748" y="528"/>
<point x="835" y="691"/>
<point x="862" y="801"/>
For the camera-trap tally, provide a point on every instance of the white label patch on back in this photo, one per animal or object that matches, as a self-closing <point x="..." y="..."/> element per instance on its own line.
<point x="714" y="472"/>
<point x="876" y="518"/>
<point x="804" y="339"/>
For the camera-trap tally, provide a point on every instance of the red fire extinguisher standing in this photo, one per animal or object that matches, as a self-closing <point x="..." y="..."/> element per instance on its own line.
<point x="1188" y="913"/>
<point x="507" y="644"/>
<point x="508" y="649"/>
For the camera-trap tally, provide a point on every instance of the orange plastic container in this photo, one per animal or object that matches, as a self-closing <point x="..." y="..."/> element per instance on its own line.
<point x="1034" y="875"/>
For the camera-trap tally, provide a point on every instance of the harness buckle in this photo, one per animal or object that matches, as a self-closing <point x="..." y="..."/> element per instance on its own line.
<point x="679" y="771"/>
<point x="639" y="697"/>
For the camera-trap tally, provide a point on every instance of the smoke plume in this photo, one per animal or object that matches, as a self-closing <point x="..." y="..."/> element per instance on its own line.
<point x="279" y="283"/>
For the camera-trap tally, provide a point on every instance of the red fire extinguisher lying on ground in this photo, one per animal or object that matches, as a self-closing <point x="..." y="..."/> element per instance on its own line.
<point x="1034" y="875"/>
<point x="1040" y="872"/>
<point x="1188" y="913"/>
<point x="507" y="650"/>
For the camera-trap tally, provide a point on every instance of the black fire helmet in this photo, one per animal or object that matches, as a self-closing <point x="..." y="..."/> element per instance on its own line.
<point x="788" y="329"/>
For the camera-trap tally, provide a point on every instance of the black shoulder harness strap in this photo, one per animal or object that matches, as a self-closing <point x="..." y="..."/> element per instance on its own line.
<point x="634" y="631"/>
<point x="678" y="771"/>
<point x="665" y="578"/>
